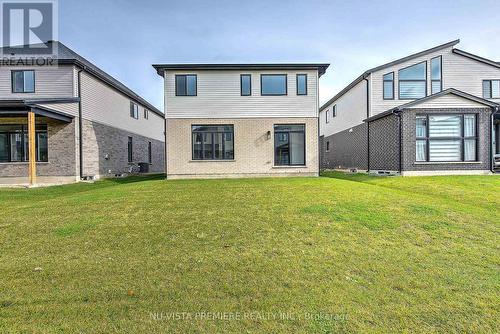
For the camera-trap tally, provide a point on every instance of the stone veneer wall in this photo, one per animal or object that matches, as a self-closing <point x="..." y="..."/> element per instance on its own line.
<point x="253" y="151"/>
<point x="101" y="141"/>
<point x="348" y="149"/>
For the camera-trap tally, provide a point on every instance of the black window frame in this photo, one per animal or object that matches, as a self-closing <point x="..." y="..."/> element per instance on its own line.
<point x="150" y="152"/>
<point x="490" y="81"/>
<point x="213" y="133"/>
<point x="290" y="152"/>
<point x="383" y="85"/>
<point x="440" y="74"/>
<point x="24" y="133"/>
<point x="133" y="108"/>
<point x="327" y="146"/>
<point x="420" y="80"/>
<point x="334" y="111"/>
<point x="241" y="84"/>
<point x="146" y="113"/>
<point x="13" y="91"/>
<point x="462" y="138"/>
<point x="274" y="74"/>
<point x="297" y="83"/>
<point x="130" y="149"/>
<point x="186" y="84"/>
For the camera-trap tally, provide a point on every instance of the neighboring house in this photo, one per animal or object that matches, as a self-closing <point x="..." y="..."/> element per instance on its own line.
<point x="434" y="112"/>
<point x="88" y="125"/>
<point x="237" y="120"/>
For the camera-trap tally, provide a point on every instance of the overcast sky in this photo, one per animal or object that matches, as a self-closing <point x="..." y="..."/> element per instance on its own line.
<point x="125" y="37"/>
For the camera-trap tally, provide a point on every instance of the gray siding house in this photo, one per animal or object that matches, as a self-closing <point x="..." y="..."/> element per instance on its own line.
<point x="433" y="112"/>
<point x="86" y="123"/>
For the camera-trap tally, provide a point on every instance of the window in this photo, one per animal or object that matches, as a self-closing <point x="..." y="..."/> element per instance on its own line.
<point x="334" y="111"/>
<point x="23" y="81"/>
<point x="150" y="153"/>
<point x="186" y="85"/>
<point x="491" y="89"/>
<point x="289" y="145"/>
<point x="129" y="150"/>
<point x="301" y="84"/>
<point x="134" y="110"/>
<point x="388" y="86"/>
<point x="413" y="82"/>
<point x="213" y="142"/>
<point x="14" y="143"/>
<point x="246" y="85"/>
<point x="146" y="113"/>
<point x="273" y="84"/>
<point x="444" y="138"/>
<point x="328" y="146"/>
<point x="436" y="75"/>
<point x="327" y="115"/>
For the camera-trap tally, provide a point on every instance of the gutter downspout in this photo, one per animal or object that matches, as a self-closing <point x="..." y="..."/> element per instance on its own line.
<point x="367" y="124"/>
<point x="80" y="122"/>
<point x="318" y="134"/>
<point x="492" y="156"/>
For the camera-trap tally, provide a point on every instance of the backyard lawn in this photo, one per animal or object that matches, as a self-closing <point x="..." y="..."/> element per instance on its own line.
<point x="340" y="253"/>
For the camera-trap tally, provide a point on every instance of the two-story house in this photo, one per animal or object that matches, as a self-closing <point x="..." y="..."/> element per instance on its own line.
<point x="241" y="120"/>
<point x="433" y="112"/>
<point x="72" y="121"/>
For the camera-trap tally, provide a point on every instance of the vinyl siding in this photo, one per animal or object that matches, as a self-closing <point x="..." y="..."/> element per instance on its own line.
<point x="218" y="96"/>
<point x="351" y="111"/>
<point x="448" y="101"/>
<point x="50" y="81"/>
<point x="105" y="105"/>
<point x="68" y="108"/>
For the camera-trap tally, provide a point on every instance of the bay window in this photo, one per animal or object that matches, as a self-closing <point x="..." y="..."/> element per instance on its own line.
<point x="14" y="143"/>
<point x="446" y="138"/>
<point x="289" y="145"/>
<point x="413" y="82"/>
<point x="212" y="142"/>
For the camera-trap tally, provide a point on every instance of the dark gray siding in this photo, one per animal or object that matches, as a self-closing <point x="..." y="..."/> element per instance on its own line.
<point x="348" y="149"/>
<point x="384" y="144"/>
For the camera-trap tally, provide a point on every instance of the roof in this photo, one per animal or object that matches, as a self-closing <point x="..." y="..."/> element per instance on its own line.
<point x="14" y="107"/>
<point x="475" y="57"/>
<point x="67" y="56"/>
<point x="381" y="67"/>
<point x="432" y="97"/>
<point x="160" y="68"/>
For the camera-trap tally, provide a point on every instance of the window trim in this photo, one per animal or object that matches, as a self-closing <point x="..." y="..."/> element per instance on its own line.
<point x="491" y="89"/>
<point x="274" y="144"/>
<point x="241" y="84"/>
<point x="297" y="83"/>
<point x="24" y="132"/>
<point x="213" y="142"/>
<point x="133" y="106"/>
<point x="393" y="87"/>
<point x="462" y="138"/>
<point x="440" y="74"/>
<point x="274" y="74"/>
<point x="12" y="82"/>
<point x="399" y="81"/>
<point x="186" y="75"/>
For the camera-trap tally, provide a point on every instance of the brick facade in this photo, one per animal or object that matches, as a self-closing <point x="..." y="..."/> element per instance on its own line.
<point x="348" y="149"/>
<point x="253" y="150"/>
<point x="384" y="144"/>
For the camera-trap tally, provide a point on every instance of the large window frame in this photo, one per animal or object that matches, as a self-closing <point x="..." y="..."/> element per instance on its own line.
<point x="40" y="129"/>
<point x="249" y="76"/>
<point x="491" y="94"/>
<point x="273" y="75"/>
<point x="212" y="133"/>
<point x="440" y="79"/>
<point x="384" y="80"/>
<point x="427" y="138"/>
<point x="24" y="90"/>
<point x="287" y="133"/>
<point x="185" y="91"/>
<point x="412" y="80"/>
<point x="304" y="75"/>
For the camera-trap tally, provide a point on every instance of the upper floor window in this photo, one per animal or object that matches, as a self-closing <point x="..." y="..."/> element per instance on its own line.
<point x="388" y="86"/>
<point x="327" y="115"/>
<point x="134" y="110"/>
<point x="246" y="84"/>
<point x="413" y="82"/>
<point x="334" y="111"/>
<point x="273" y="84"/>
<point x="23" y="81"/>
<point x="491" y="89"/>
<point x="186" y="85"/>
<point x="146" y="113"/>
<point x="301" y="84"/>
<point x="436" y="75"/>
<point x="213" y="142"/>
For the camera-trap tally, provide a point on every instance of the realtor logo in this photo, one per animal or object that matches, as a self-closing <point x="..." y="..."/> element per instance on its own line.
<point x="27" y="26"/>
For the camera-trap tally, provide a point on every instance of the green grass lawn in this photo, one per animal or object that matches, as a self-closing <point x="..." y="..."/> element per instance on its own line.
<point x="340" y="253"/>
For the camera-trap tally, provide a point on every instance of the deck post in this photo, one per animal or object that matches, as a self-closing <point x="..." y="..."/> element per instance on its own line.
<point x="31" y="148"/>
